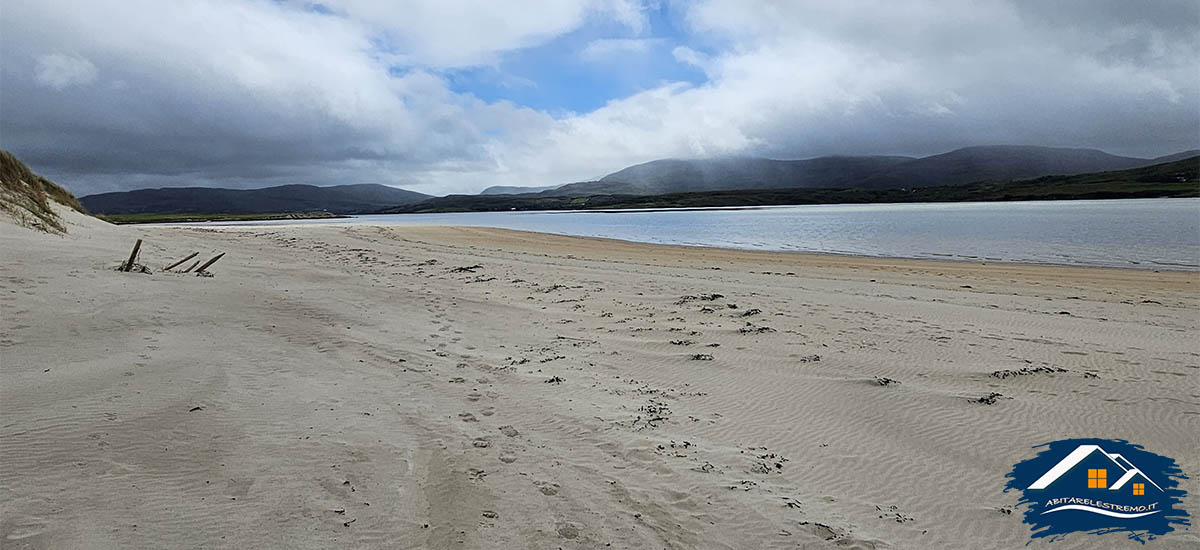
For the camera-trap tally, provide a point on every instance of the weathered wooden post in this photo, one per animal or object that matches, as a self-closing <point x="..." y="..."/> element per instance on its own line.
<point x="210" y="262"/>
<point x="132" y="256"/>
<point x="193" y="266"/>
<point x="176" y="264"/>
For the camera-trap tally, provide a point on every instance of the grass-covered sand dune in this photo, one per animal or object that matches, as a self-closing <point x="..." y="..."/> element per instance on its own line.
<point x="27" y="197"/>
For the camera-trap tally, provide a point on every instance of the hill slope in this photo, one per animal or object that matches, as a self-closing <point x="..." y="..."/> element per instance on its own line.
<point x="674" y="175"/>
<point x="959" y="167"/>
<point x="1177" y="156"/>
<point x="516" y="190"/>
<point x="26" y="196"/>
<point x="339" y="199"/>
<point x="1003" y="162"/>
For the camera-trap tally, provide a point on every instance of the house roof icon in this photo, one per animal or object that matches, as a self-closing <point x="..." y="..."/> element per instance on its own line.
<point x="1082" y="452"/>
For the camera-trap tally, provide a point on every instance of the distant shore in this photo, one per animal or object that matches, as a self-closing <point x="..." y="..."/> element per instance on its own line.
<point x="1134" y="234"/>
<point x="759" y="198"/>
<point x="1178" y="179"/>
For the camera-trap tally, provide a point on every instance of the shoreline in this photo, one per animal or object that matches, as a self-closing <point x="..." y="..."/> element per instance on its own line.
<point x="813" y="264"/>
<point x="1171" y="268"/>
<point x="766" y="206"/>
<point x="981" y="262"/>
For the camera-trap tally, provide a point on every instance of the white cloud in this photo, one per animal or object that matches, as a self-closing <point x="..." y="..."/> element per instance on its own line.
<point x="246" y="92"/>
<point x="688" y="56"/>
<point x="459" y="33"/>
<point x="61" y="71"/>
<point x="802" y="79"/>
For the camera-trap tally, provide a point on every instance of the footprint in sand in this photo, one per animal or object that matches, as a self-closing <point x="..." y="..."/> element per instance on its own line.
<point x="568" y="531"/>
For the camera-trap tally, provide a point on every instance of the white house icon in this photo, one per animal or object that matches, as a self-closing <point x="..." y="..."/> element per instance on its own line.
<point x="1078" y="455"/>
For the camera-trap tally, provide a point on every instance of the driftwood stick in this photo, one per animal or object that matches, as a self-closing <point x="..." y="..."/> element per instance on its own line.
<point x="193" y="266"/>
<point x="210" y="262"/>
<point x="132" y="256"/>
<point x="176" y="264"/>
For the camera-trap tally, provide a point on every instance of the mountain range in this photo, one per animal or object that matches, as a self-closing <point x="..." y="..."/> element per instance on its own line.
<point x="958" y="167"/>
<point x="969" y="165"/>
<point x="338" y="199"/>
<point x="1180" y="178"/>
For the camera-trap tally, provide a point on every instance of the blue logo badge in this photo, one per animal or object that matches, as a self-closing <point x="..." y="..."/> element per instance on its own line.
<point x="1099" y="486"/>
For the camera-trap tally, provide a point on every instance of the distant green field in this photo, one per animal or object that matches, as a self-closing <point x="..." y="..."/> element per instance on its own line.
<point x="181" y="218"/>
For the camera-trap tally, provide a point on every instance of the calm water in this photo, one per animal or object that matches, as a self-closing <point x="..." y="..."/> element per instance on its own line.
<point x="1145" y="233"/>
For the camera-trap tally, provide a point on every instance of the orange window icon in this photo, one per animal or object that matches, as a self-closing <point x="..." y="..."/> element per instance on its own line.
<point x="1098" y="479"/>
<point x="1139" y="488"/>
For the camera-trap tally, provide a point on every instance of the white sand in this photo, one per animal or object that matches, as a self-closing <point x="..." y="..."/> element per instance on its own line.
<point x="339" y="386"/>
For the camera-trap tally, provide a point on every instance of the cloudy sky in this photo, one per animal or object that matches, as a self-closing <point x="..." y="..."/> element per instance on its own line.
<point x="445" y="96"/>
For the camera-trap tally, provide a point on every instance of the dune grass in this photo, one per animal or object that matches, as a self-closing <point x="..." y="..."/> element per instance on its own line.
<point x="26" y="196"/>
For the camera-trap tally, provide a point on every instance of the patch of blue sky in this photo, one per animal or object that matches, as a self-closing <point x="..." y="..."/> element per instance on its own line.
<point x="583" y="70"/>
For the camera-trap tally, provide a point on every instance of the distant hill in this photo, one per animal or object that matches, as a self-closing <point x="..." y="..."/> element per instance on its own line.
<point x="516" y="190"/>
<point x="1180" y="178"/>
<point x="26" y="196"/>
<point x="675" y="176"/>
<point x="1177" y="156"/>
<point x="339" y="199"/>
<point x="959" y="167"/>
<point x="974" y="164"/>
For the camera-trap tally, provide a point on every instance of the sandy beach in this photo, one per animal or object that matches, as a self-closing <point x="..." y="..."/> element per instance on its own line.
<point x="446" y="387"/>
